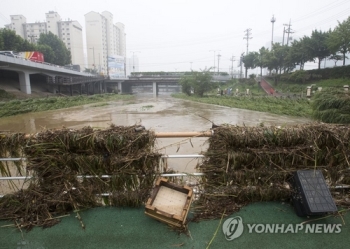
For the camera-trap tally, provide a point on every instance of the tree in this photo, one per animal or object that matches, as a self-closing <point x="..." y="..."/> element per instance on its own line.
<point x="318" y="46"/>
<point x="10" y="41"/>
<point x="27" y="46"/>
<point x="275" y="59"/>
<point x="250" y="61"/>
<point x="49" y="54"/>
<point x="336" y="58"/>
<point x="61" y="56"/>
<point x="339" y="39"/>
<point x="198" y="81"/>
<point x="90" y="70"/>
<point x="262" y="58"/>
<point x="299" y="52"/>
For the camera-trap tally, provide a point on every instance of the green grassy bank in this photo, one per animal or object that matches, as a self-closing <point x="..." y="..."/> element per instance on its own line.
<point x="291" y="107"/>
<point x="15" y="107"/>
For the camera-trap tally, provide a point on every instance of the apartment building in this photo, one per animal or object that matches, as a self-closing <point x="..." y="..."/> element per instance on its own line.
<point x="70" y="32"/>
<point x="105" y="43"/>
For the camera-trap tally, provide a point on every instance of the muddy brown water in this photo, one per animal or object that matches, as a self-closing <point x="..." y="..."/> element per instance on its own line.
<point x="161" y="114"/>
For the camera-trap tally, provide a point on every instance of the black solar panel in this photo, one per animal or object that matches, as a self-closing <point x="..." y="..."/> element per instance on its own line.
<point x="311" y="194"/>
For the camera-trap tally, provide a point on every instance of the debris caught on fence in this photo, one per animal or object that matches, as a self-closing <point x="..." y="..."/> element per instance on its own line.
<point x="56" y="157"/>
<point x="251" y="164"/>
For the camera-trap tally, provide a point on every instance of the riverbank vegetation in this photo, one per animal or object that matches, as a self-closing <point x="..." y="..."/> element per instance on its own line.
<point x="15" y="107"/>
<point x="332" y="106"/>
<point x="324" y="104"/>
<point x="291" y="107"/>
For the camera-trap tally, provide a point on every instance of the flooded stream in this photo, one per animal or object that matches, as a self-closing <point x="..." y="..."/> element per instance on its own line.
<point x="160" y="114"/>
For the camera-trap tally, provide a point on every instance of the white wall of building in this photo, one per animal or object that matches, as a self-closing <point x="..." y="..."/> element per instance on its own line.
<point x="32" y="31"/>
<point x="120" y="27"/>
<point x="52" y="18"/>
<point x="96" y="41"/>
<point x="16" y="24"/>
<point x="71" y="34"/>
<point x="102" y="40"/>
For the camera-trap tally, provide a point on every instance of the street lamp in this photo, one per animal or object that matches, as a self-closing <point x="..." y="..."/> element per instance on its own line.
<point x="214" y="57"/>
<point x="93" y="55"/>
<point x="191" y="65"/>
<point x="133" y="60"/>
<point x="99" y="64"/>
<point x="273" y="20"/>
<point x="219" y="55"/>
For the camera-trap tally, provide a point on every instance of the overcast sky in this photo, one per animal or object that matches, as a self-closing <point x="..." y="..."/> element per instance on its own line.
<point x="173" y="35"/>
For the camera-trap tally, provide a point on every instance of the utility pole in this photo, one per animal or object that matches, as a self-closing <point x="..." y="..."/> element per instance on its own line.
<point x="219" y="55"/>
<point x="273" y="20"/>
<point x="232" y="60"/>
<point x="247" y="37"/>
<point x="288" y="31"/>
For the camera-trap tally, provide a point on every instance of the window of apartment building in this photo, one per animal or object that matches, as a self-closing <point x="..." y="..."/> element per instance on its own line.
<point x="63" y="38"/>
<point x="62" y="33"/>
<point x="48" y="21"/>
<point x="48" y="26"/>
<point x="67" y="33"/>
<point x="68" y="38"/>
<point x="68" y="43"/>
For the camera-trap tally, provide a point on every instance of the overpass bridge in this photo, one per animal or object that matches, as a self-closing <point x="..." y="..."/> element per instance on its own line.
<point x="55" y="74"/>
<point x="60" y="79"/>
<point x="153" y="85"/>
<point x="157" y="83"/>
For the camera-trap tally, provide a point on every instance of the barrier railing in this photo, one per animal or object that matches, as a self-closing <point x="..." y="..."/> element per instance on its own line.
<point x="24" y="178"/>
<point x="163" y="158"/>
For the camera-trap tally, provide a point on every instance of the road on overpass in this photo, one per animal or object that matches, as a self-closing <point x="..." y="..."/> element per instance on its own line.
<point x="55" y="73"/>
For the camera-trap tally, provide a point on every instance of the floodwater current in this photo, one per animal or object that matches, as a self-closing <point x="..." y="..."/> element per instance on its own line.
<point x="160" y="114"/>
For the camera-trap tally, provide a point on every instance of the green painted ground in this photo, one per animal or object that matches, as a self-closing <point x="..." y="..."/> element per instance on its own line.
<point x="130" y="228"/>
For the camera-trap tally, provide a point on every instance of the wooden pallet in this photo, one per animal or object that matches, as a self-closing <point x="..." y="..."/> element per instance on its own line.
<point x="169" y="203"/>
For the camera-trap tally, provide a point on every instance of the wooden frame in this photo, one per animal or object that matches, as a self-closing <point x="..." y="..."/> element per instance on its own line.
<point x="174" y="208"/>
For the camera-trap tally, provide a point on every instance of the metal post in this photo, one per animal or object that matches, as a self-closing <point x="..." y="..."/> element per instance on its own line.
<point x="219" y="63"/>
<point x="273" y="19"/>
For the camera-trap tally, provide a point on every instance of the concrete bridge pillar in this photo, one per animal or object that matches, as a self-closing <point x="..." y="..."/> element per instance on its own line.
<point x="120" y="87"/>
<point x="155" y="89"/>
<point x="100" y="87"/>
<point x="24" y="82"/>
